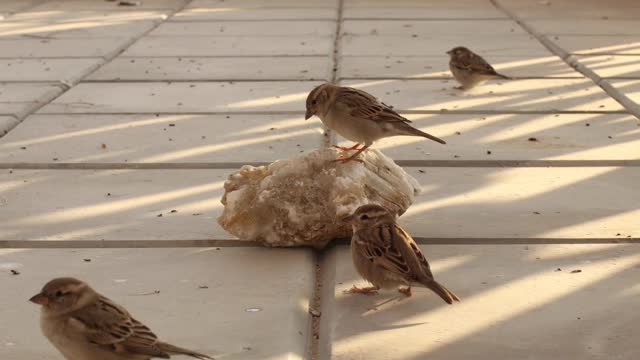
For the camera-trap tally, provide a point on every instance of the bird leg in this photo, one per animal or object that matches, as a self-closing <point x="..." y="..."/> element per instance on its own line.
<point x="354" y="147"/>
<point x="354" y="156"/>
<point x="371" y="290"/>
<point x="406" y="291"/>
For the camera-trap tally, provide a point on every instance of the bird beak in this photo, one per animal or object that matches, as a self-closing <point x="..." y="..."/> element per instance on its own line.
<point x="449" y="52"/>
<point x="39" y="299"/>
<point x="347" y="218"/>
<point x="308" y="114"/>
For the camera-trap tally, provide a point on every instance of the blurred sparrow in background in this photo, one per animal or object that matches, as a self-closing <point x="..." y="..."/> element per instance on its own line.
<point x="358" y="116"/>
<point x="386" y="256"/>
<point x="84" y="325"/>
<point x="469" y="68"/>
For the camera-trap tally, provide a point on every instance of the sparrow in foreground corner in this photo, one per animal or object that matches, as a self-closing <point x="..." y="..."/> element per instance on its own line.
<point x="358" y="116"/>
<point x="386" y="256"/>
<point x="470" y="69"/>
<point x="84" y="325"/>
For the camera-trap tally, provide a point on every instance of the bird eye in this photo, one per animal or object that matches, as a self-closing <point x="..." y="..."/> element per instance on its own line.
<point x="364" y="217"/>
<point x="59" y="293"/>
<point x="314" y="102"/>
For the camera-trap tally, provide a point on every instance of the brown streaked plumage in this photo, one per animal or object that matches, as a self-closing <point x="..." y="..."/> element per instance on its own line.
<point x="469" y="68"/>
<point x="387" y="256"/>
<point x="358" y="116"/>
<point x="84" y="325"/>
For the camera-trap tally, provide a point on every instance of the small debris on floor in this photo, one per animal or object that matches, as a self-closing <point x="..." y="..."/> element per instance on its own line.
<point x="104" y="146"/>
<point x="576" y="271"/>
<point x="173" y="211"/>
<point x="196" y="214"/>
<point x="159" y="215"/>
<point x="172" y="125"/>
<point x="587" y="124"/>
<point x="536" y="213"/>
<point x="558" y="269"/>
<point x="203" y="287"/>
<point x="15" y="272"/>
<point x="154" y="292"/>
<point x="458" y="133"/>
<point x="86" y="260"/>
<point x="421" y="171"/>
<point x="129" y="3"/>
<point x="532" y="139"/>
<point x="488" y="152"/>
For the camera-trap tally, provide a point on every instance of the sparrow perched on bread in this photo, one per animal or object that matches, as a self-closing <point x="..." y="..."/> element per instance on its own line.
<point x="470" y="69"/>
<point x="387" y="256"/>
<point x="358" y="116"/>
<point x="84" y="325"/>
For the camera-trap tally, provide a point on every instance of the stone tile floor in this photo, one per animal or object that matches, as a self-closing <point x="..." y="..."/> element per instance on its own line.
<point x="119" y="125"/>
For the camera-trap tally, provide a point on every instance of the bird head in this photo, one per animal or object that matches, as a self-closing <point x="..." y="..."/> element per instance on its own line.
<point x="458" y="51"/>
<point x="318" y="99"/>
<point x="369" y="215"/>
<point x="63" y="295"/>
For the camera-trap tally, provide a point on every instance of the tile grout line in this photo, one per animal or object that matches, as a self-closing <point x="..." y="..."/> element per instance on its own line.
<point x="296" y="112"/>
<point x="573" y="62"/>
<point x="238" y="164"/>
<point x="320" y="257"/>
<point x="335" y="65"/>
<point x="318" y="322"/>
<point x="107" y="58"/>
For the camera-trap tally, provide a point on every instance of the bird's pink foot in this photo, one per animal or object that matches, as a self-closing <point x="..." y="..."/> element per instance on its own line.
<point x="371" y="290"/>
<point x="354" y="147"/>
<point x="406" y="291"/>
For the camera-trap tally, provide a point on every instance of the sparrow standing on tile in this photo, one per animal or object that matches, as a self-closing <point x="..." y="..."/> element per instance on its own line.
<point x="84" y="325"/>
<point x="470" y="69"/>
<point x="358" y="116"/>
<point x="386" y="256"/>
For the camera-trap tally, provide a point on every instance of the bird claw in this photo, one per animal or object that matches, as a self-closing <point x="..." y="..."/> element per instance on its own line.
<point x="371" y="290"/>
<point x="354" y="147"/>
<point x="406" y="291"/>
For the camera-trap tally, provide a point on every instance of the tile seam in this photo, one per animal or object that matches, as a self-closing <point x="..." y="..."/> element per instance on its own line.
<point x="631" y="106"/>
<point x="107" y="58"/>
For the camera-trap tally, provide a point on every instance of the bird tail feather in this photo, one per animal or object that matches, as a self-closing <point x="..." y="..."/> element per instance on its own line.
<point x="447" y="295"/>
<point x="176" y="350"/>
<point x="503" y="76"/>
<point x="413" y="131"/>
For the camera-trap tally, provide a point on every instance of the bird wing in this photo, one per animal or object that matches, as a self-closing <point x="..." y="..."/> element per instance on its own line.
<point x="110" y="326"/>
<point x="389" y="247"/>
<point x="410" y="249"/>
<point x="474" y="63"/>
<point x="365" y="105"/>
